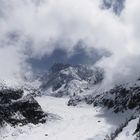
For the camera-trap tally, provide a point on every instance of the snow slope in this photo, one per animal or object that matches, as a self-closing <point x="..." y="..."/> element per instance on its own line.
<point x="73" y="123"/>
<point x="83" y="122"/>
<point x="77" y="123"/>
<point x="127" y="133"/>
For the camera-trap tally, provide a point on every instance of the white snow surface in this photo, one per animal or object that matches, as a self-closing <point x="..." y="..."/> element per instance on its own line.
<point x="127" y="133"/>
<point x="83" y="122"/>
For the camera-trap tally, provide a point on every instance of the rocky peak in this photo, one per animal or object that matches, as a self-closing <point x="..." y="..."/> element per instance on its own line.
<point x="18" y="109"/>
<point x="67" y="79"/>
<point x="58" y="67"/>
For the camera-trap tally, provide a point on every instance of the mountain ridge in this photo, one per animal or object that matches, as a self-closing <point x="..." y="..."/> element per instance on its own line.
<point x="63" y="77"/>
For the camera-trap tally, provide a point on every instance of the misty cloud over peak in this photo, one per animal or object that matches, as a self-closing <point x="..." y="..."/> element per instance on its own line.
<point x="42" y="31"/>
<point x="79" y="55"/>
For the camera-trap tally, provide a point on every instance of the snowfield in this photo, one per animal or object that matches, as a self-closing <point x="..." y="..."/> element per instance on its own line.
<point x="83" y="122"/>
<point x="127" y="133"/>
<point x="76" y="123"/>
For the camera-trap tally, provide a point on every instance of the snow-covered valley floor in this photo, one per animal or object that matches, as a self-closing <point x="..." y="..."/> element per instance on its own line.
<point x="76" y="123"/>
<point x="83" y="122"/>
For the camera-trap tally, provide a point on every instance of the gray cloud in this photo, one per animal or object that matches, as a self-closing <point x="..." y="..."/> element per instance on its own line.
<point x="79" y="56"/>
<point x="29" y="29"/>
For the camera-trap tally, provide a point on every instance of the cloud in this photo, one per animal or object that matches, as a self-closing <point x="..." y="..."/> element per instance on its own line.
<point x="34" y="28"/>
<point x="124" y="65"/>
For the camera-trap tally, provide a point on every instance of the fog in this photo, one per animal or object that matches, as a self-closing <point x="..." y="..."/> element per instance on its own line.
<point x="32" y="28"/>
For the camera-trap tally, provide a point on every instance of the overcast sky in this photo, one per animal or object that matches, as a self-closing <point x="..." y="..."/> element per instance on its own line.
<point x="40" y="31"/>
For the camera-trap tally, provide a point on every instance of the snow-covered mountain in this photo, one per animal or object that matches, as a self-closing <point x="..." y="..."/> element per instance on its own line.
<point x="124" y="99"/>
<point x="36" y="33"/>
<point x="65" y="79"/>
<point x="80" y="83"/>
<point x="115" y="113"/>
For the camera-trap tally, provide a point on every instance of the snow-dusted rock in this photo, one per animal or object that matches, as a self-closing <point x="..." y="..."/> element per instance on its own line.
<point x="65" y="79"/>
<point x="120" y="98"/>
<point x="17" y="109"/>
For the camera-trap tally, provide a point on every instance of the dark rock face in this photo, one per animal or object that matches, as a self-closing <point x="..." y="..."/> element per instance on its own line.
<point x="75" y="100"/>
<point x="7" y="95"/>
<point x="120" y="98"/>
<point x="15" y="109"/>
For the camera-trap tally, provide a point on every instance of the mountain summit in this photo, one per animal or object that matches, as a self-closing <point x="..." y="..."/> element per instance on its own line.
<point x="66" y="79"/>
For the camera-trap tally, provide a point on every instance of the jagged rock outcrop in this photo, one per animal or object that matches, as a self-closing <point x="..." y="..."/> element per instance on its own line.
<point x="9" y="95"/>
<point x="75" y="100"/>
<point x="16" y="109"/>
<point x="120" y="98"/>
